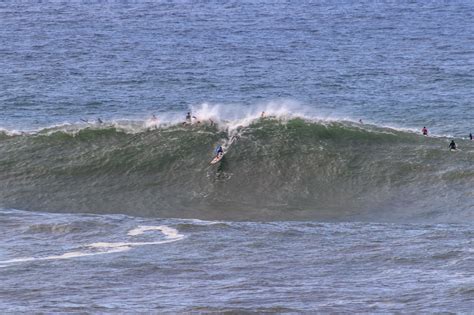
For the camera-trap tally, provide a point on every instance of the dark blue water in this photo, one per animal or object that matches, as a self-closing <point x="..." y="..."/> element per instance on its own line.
<point x="404" y="64"/>
<point x="109" y="264"/>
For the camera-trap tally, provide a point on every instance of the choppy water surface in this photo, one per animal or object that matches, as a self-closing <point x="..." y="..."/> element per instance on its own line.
<point x="310" y="208"/>
<point x="407" y="64"/>
<point x="109" y="263"/>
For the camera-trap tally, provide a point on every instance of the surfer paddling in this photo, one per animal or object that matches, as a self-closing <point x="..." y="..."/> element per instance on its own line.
<point x="98" y="121"/>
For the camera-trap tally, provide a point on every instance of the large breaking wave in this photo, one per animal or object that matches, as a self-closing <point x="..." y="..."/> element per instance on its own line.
<point x="274" y="168"/>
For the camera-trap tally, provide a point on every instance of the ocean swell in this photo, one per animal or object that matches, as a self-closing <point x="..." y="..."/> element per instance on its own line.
<point x="273" y="169"/>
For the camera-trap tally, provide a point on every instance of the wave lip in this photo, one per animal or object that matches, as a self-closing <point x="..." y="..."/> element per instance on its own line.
<point x="224" y="117"/>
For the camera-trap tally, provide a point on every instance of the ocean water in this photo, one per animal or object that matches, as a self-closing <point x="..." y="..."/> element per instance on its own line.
<point x="331" y="201"/>
<point x="102" y="264"/>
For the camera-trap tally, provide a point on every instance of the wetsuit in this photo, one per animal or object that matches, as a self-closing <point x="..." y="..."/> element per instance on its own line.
<point x="452" y="145"/>
<point x="219" y="151"/>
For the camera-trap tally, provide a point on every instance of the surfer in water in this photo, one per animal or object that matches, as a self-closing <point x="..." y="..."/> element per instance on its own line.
<point x="154" y="121"/>
<point x="470" y="136"/>
<point x="424" y="131"/>
<point x="189" y="119"/>
<point x="452" y="145"/>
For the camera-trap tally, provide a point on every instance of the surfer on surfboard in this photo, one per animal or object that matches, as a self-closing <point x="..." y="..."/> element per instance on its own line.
<point x="219" y="151"/>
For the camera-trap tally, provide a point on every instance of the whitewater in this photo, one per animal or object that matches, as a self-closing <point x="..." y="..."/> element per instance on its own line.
<point x="328" y="199"/>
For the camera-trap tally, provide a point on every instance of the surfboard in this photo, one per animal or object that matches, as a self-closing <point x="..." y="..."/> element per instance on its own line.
<point x="217" y="158"/>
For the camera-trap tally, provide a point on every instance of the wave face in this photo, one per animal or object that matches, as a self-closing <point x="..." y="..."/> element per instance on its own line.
<point x="274" y="169"/>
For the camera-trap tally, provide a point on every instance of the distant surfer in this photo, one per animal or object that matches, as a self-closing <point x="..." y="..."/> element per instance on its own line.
<point x="361" y="122"/>
<point x="470" y="136"/>
<point x="154" y="121"/>
<point x="452" y="145"/>
<point x="424" y="131"/>
<point x="99" y="121"/>
<point x="188" y="118"/>
<point x="262" y="115"/>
